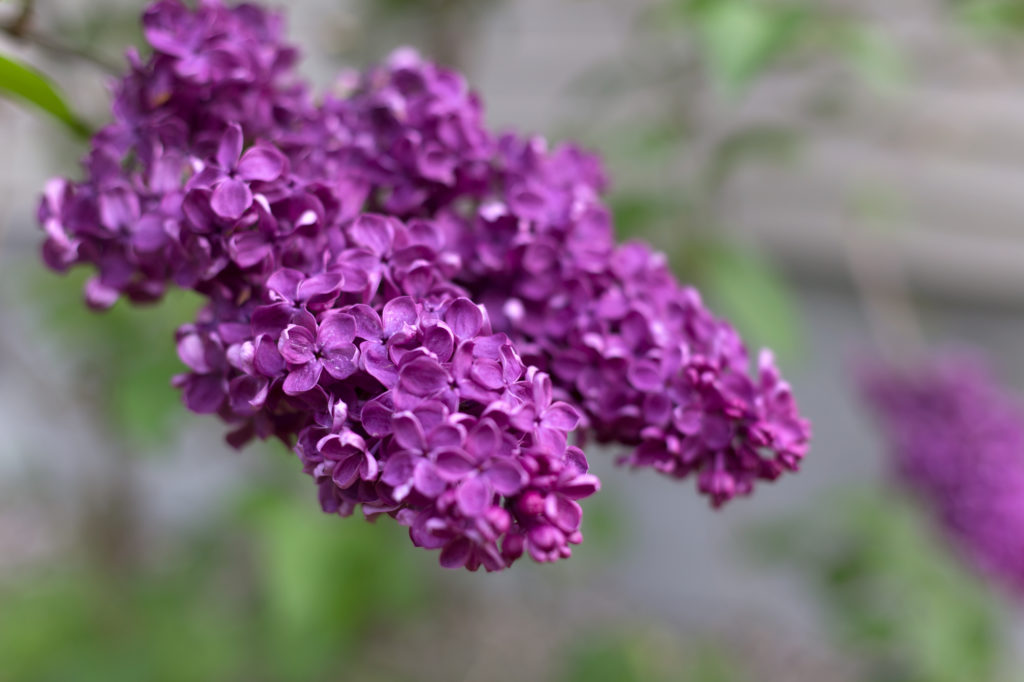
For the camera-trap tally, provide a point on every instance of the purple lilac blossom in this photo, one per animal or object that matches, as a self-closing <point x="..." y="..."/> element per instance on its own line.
<point x="638" y="353"/>
<point x="956" y="439"/>
<point x="423" y="310"/>
<point x="641" y="356"/>
<point x="407" y="406"/>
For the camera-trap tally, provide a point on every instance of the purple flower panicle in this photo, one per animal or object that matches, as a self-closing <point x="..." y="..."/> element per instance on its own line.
<point x="409" y="406"/>
<point x="647" y="364"/>
<point x="423" y="310"/>
<point x="638" y="353"/>
<point x="957" y="440"/>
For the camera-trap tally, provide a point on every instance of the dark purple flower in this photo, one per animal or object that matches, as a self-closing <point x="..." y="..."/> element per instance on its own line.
<point x="229" y="175"/>
<point x="957" y="440"/>
<point x="309" y="348"/>
<point x="422" y="310"/>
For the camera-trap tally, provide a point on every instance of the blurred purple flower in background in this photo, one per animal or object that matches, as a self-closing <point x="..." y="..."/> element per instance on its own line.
<point x="957" y="440"/>
<point x="423" y="310"/>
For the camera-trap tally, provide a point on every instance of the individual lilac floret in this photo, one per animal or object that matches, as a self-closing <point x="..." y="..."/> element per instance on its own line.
<point x="956" y="438"/>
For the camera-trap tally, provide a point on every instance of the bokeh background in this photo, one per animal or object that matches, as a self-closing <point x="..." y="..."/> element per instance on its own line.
<point x="831" y="174"/>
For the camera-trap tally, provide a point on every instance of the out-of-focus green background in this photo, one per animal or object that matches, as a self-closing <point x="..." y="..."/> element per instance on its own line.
<point x="794" y="159"/>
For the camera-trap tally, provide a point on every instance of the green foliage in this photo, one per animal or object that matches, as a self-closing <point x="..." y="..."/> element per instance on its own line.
<point x="749" y="291"/>
<point x="892" y="592"/>
<point x="656" y="142"/>
<point x="740" y="39"/>
<point x="327" y="581"/>
<point x="21" y="81"/>
<point x="295" y="597"/>
<point x="644" y="654"/>
<point x="127" y="354"/>
<point x="752" y="144"/>
<point x="641" y="214"/>
<point x="992" y="17"/>
<point x="872" y="56"/>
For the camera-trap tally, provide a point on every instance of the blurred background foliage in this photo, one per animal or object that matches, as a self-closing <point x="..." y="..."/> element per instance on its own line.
<point x="722" y="49"/>
<point x="889" y="588"/>
<point x="269" y="589"/>
<point x="121" y="365"/>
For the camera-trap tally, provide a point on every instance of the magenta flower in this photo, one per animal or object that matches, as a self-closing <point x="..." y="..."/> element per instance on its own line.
<point x="228" y="178"/>
<point x="422" y="310"/>
<point x="309" y="348"/>
<point x="956" y="439"/>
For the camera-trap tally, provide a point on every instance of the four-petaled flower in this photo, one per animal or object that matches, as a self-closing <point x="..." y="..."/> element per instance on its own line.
<point x="310" y="347"/>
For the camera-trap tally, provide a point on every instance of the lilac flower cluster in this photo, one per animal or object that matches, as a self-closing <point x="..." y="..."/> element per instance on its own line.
<point x="404" y="405"/>
<point x="957" y="440"/>
<point x="424" y="311"/>
<point x="639" y="354"/>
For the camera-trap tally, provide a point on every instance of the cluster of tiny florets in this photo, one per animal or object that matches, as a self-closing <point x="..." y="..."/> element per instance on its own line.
<point x="957" y="441"/>
<point x="425" y="311"/>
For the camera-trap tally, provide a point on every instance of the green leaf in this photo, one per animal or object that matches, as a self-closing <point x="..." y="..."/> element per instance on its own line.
<point x="747" y="290"/>
<point x="132" y="388"/>
<point x="646" y="653"/>
<point x="873" y="57"/>
<point x="896" y="597"/>
<point x="756" y="143"/>
<point x="23" y="82"/>
<point x="739" y="39"/>
<point x="992" y="17"/>
<point x="638" y="214"/>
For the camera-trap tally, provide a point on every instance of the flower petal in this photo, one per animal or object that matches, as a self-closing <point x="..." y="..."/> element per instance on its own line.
<point x="563" y="512"/>
<point x="373" y="232"/>
<point x="231" y="199"/>
<point x="337" y="329"/>
<point x="285" y="283"/>
<point x="340" y="361"/>
<point x="347" y="470"/>
<point x="473" y="496"/>
<point x="562" y="416"/>
<point x="270" y="320"/>
<point x="456" y="553"/>
<point x="303" y="378"/>
<point x="326" y="285"/>
<point x="377" y="364"/>
<point x="399" y="312"/>
<point x="465" y="318"/>
<point x="506" y="476"/>
<point x="368" y="324"/>
<point x="408" y="432"/>
<point x="376" y="418"/>
<point x="192" y="351"/>
<point x="440" y="341"/>
<point x="398" y="469"/>
<point x="230" y="147"/>
<point x="484" y="439"/>
<point x="453" y="465"/>
<point x="422" y="376"/>
<point x="98" y="295"/>
<point x="297" y="344"/>
<point x="204" y="393"/>
<point x="261" y="163"/>
<point x="488" y="374"/>
<point x="427" y="480"/>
